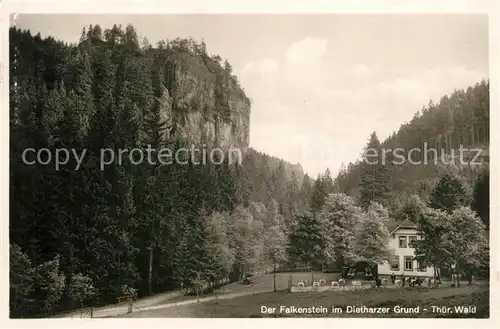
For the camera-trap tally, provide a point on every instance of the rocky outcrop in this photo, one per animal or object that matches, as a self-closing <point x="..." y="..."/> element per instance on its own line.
<point x="208" y="106"/>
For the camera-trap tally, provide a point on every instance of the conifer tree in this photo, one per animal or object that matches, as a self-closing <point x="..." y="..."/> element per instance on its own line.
<point x="306" y="240"/>
<point x="21" y="281"/>
<point x="103" y="122"/>
<point x="305" y="192"/>
<point x="448" y="194"/>
<point x="481" y="198"/>
<point x="411" y="209"/>
<point x="374" y="176"/>
<point x="292" y="195"/>
<point x="319" y="193"/>
<point x="328" y="181"/>
<point x="81" y="96"/>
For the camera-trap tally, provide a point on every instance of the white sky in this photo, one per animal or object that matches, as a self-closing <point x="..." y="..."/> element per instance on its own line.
<point x="320" y="84"/>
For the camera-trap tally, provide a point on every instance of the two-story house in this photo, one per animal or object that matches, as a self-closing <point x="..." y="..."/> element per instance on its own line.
<point x="403" y="261"/>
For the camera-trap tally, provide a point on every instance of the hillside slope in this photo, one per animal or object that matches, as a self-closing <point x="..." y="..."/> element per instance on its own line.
<point x="459" y="119"/>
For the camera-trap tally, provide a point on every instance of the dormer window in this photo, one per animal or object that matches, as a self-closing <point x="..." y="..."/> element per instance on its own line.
<point x="402" y="242"/>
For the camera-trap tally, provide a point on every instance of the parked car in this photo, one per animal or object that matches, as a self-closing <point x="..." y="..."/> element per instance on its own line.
<point x="247" y="279"/>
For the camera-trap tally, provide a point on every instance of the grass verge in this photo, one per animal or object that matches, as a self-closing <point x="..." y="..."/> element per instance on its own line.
<point x="250" y="306"/>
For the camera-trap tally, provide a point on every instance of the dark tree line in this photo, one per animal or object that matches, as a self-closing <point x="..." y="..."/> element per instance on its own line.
<point x="460" y="119"/>
<point x="86" y="236"/>
<point x="446" y="200"/>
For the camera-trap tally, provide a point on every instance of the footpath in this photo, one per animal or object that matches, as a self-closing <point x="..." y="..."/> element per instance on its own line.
<point x="196" y="301"/>
<point x="168" y="299"/>
<point x="122" y="308"/>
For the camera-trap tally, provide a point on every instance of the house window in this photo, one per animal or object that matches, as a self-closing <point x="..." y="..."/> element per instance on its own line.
<point x="402" y="242"/>
<point x="422" y="267"/>
<point x="408" y="263"/>
<point x="395" y="263"/>
<point x="411" y="239"/>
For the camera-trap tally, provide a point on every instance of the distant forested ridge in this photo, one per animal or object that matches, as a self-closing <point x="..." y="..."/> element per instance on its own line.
<point x="459" y="119"/>
<point x="445" y="196"/>
<point x="85" y="237"/>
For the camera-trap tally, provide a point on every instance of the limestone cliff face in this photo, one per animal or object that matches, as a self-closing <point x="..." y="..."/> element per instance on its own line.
<point x="207" y="104"/>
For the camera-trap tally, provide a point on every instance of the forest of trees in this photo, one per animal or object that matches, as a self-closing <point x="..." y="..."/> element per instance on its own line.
<point x="461" y="118"/>
<point x="84" y="237"/>
<point x="447" y="200"/>
<point x="342" y="235"/>
<point x="341" y="230"/>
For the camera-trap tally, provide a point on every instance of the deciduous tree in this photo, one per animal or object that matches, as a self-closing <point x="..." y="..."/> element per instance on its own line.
<point x="372" y="240"/>
<point x="339" y="218"/>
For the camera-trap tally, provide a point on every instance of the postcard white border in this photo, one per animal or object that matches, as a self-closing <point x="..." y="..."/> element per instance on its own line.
<point x="491" y="7"/>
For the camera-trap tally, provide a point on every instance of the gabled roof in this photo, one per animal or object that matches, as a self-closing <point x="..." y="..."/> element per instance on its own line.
<point x="404" y="224"/>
